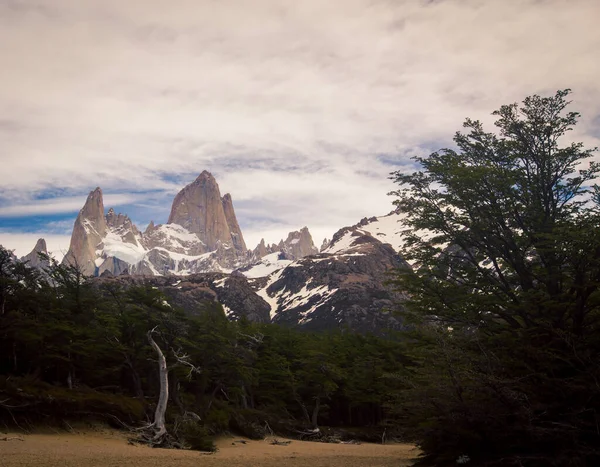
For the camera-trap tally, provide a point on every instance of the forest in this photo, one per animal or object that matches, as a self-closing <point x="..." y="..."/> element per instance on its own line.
<point x="73" y="349"/>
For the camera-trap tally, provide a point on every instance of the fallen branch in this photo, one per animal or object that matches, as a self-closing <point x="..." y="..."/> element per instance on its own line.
<point x="11" y="438"/>
<point x="276" y="442"/>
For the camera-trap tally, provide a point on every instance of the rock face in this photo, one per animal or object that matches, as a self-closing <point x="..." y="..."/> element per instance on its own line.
<point x="298" y="244"/>
<point x="200" y="210"/>
<point x="33" y="258"/>
<point x="338" y="288"/>
<point x="202" y="235"/>
<point x="88" y="232"/>
<point x="343" y="286"/>
<point x="197" y="292"/>
<point x="261" y="249"/>
<point x="234" y="228"/>
<point x="239" y="300"/>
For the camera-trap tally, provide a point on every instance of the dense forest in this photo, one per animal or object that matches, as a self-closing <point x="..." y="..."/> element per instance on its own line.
<point x="73" y="348"/>
<point x="499" y="365"/>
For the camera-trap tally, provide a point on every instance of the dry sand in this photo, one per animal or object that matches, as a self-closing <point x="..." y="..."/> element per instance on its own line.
<point x="110" y="449"/>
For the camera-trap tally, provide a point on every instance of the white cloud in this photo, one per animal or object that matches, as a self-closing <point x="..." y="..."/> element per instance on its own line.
<point x="62" y="204"/>
<point x="289" y="104"/>
<point x="23" y="243"/>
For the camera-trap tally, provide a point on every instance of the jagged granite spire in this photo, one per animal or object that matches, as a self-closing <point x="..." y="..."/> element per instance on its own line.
<point x="88" y="231"/>
<point x="33" y="259"/>
<point x="200" y="209"/>
<point x="234" y="227"/>
<point x="299" y="244"/>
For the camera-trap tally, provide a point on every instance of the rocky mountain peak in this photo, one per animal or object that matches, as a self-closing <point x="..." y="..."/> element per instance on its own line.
<point x="93" y="211"/>
<point x="40" y="246"/>
<point x="33" y="259"/>
<point x="88" y="231"/>
<point x="261" y="250"/>
<point x="199" y="208"/>
<point x="299" y="244"/>
<point x="150" y="227"/>
<point x="234" y="228"/>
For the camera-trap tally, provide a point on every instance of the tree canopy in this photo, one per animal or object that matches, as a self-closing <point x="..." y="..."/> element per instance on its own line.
<point x="503" y="232"/>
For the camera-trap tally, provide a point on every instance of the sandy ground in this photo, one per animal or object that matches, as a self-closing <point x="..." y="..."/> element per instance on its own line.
<point x="109" y="449"/>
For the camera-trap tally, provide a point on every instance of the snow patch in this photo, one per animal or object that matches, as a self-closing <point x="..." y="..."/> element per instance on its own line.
<point x="267" y="265"/>
<point x="128" y="252"/>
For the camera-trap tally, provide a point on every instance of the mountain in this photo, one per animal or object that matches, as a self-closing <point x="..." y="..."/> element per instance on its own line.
<point x="33" y="259"/>
<point x="202" y="235"/>
<point x="89" y="231"/>
<point x="291" y="283"/>
<point x="299" y="244"/>
<point x="343" y="286"/>
<point x="200" y="209"/>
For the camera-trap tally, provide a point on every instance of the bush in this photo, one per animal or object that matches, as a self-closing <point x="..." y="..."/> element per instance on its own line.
<point x="249" y="423"/>
<point x="34" y="399"/>
<point x="196" y="436"/>
<point x="217" y="420"/>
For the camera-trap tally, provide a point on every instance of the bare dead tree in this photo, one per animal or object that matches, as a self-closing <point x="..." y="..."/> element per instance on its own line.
<point x="158" y="425"/>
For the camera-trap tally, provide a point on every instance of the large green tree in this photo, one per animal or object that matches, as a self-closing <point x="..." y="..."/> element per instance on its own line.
<point x="504" y="236"/>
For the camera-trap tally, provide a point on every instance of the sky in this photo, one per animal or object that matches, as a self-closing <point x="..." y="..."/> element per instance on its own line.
<point x="300" y="109"/>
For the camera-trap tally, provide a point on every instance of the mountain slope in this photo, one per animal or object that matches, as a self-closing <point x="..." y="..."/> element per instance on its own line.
<point x="343" y="286"/>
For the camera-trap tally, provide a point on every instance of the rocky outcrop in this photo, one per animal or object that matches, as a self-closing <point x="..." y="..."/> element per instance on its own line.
<point x="234" y="228"/>
<point x="261" y="250"/>
<point x="199" y="209"/>
<point x="299" y="244"/>
<point x="325" y="244"/>
<point x="88" y="231"/>
<point x="240" y="300"/>
<point x="33" y="259"/>
<point x="122" y="225"/>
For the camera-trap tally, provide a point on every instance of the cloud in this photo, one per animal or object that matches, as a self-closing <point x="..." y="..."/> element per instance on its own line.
<point x="300" y="109"/>
<point x="62" y="205"/>
<point x="23" y="243"/>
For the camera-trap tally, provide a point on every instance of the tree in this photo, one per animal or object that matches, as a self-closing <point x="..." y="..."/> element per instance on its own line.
<point x="503" y="234"/>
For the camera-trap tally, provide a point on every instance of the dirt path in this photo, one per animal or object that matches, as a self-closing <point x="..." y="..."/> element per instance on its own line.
<point x="109" y="449"/>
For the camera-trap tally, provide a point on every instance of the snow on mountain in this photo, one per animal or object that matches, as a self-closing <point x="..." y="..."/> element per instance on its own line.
<point x="267" y="265"/>
<point x="202" y="236"/>
<point x="388" y="229"/>
<point x="341" y="286"/>
<point x="113" y="245"/>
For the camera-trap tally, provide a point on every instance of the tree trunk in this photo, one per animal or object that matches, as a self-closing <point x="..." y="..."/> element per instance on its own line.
<point x="315" y="414"/>
<point x="304" y="409"/>
<point x="135" y="379"/>
<point x="161" y="407"/>
<point x="175" y="393"/>
<point x="244" y="398"/>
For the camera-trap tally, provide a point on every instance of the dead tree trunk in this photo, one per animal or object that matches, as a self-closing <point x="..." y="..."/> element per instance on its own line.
<point x="160" y="429"/>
